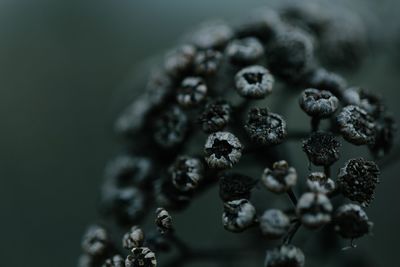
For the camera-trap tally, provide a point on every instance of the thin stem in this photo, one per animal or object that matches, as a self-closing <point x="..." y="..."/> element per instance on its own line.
<point x="315" y="121"/>
<point x="292" y="232"/>
<point x="296" y="135"/>
<point x="292" y="197"/>
<point x="327" y="171"/>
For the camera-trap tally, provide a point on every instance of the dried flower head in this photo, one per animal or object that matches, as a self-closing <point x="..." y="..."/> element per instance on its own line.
<point x="141" y="257"/>
<point x="207" y="62"/>
<point x="351" y="221"/>
<point x="265" y="128"/>
<point x="318" y="182"/>
<point x="96" y="241"/>
<point x="163" y="221"/>
<point x="356" y="126"/>
<point x="233" y="186"/>
<point x="171" y="127"/>
<point x="314" y="209"/>
<point x="321" y="148"/>
<point x="191" y="92"/>
<point x="280" y="178"/>
<point x="245" y="51"/>
<point x="318" y="103"/>
<point x="222" y="150"/>
<point x="186" y="173"/>
<point x="358" y="179"/>
<point x="115" y="261"/>
<point x="254" y="82"/>
<point x="274" y="223"/>
<point x="238" y="215"/>
<point x="133" y="239"/>
<point x="215" y="116"/>
<point x="285" y="255"/>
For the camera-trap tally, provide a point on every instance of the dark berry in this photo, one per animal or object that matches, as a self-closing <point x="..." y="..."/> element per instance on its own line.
<point x="186" y="173"/>
<point x="254" y="82"/>
<point x="280" y="178"/>
<point x="318" y="103"/>
<point x="274" y="223"/>
<point x="245" y="51"/>
<point x="314" y="209"/>
<point x="238" y="215"/>
<point x="191" y="92"/>
<point x="317" y="182"/>
<point x="215" y="116"/>
<point x="351" y="221"/>
<point x="284" y="256"/>
<point x="96" y="241"/>
<point x="215" y="34"/>
<point x="163" y="221"/>
<point x="179" y="61"/>
<point x="324" y="80"/>
<point x="207" y="62"/>
<point x="322" y="149"/>
<point x="133" y="239"/>
<point x="385" y="131"/>
<point x="234" y="186"/>
<point x="141" y="257"/>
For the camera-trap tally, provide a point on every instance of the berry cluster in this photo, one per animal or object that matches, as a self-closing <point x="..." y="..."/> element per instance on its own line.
<point x="205" y="110"/>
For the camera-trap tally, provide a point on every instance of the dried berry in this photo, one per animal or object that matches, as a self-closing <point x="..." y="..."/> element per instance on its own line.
<point x="163" y="221"/>
<point x="222" y="150"/>
<point x="385" y="130"/>
<point x="284" y="256"/>
<point x="215" y="116"/>
<point x="281" y="178"/>
<point x="214" y="34"/>
<point x="191" y="92"/>
<point x="128" y="204"/>
<point x="233" y="186"/>
<point x="171" y="127"/>
<point x="351" y="221"/>
<point x="318" y="182"/>
<point x="186" y="173"/>
<point x="207" y="62"/>
<point x="96" y="241"/>
<point x="318" y="103"/>
<point x="179" y="61"/>
<point x="368" y="101"/>
<point x="322" y="149"/>
<point x="116" y="261"/>
<point x="274" y="223"/>
<point x="358" y="179"/>
<point x="133" y="239"/>
<point x="245" y="51"/>
<point x="325" y="80"/>
<point x="238" y="215"/>
<point x="141" y="257"/>
<point x="356" y="126"/>
<point x="254" y="82"/>
<point x="314" y="209"/>
<point x="265" y="128"/>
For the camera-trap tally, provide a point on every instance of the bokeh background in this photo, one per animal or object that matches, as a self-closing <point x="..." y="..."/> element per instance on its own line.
<point x="65" y="67"/>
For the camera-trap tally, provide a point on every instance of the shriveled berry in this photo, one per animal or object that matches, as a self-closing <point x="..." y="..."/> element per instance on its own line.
<point x="356" y="125"/>
<point x="351" y="221"/>
<point x="115" y="261"/>
<point x="318" y="182"/>
<point x="222" y="150"/>
<point x="322" y="148"/>
<point x="141" y="257"/>
<point x="280" y="178"/>
<point x="274" y="223"/>
<point x="163" y="221"/>
<point x="133" y="239"/>
<point x="358" y="179"/>
<point x="234" y="186"/>
<point x="191" y="92"/>
<point x="245" y="51"/>
<point x="214" y="34"/>
<point x="215" y="116"/>
<point x="96" y="241"/>
<point x="207" y="62"/>
<point x="318" y="103"/>
<point x="186" y="173"/>
<point x="180" y="60"/>
<point x="238" y="215"/>
<point x="284" y="256"/>
<point x="171" y="127"/>
<point x="314" y="209"/>
<point x="265" y="128"/>
<point x="254" y="82"/>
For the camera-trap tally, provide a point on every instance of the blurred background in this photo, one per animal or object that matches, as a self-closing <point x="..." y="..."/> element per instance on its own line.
<point x="64" y="67"/>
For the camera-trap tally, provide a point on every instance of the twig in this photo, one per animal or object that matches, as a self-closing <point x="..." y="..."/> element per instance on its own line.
<point x="292" y="232"/>
<point x="292" y="197"/>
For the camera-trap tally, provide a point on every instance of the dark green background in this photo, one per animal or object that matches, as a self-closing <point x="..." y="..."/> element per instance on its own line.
<point x="64" y="67"/>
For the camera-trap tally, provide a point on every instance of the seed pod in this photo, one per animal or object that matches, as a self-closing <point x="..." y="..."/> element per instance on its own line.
<point x="274" y="223"/>
<point x="318" y="104"/>
<point x="116" y="261"/>
<point x="233" y="186"/>
<point x="214" y="34"/>
<point x="358" y="179"/>
<point x="96" y="241"/>
<point x="285" y="255"/>
<point x="356" y="126"/>
<point x="238" y="215"/>
<point x="215" y="116"/>
<point x="133" y="239"/>
<point x="317" y="182"/>
<point x="163" y="221"/>
<point x="207" y="62"/>
<point x="179" y="61"/>
<point x="265" y="128"/>
<point x="171" y="127"/>
<point x="254" y="82"/>
<point x="322" y="149"/>
<point x="186" y="173"/>
<point x="191" y="92"/>
<point x="281" y="178"/>
<point x="314" y="210"/>
<point x="351" y="221"/>
<point x="245" y="51"/>
<point x="141" y="257"/>
<point x="222" y="150"/>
